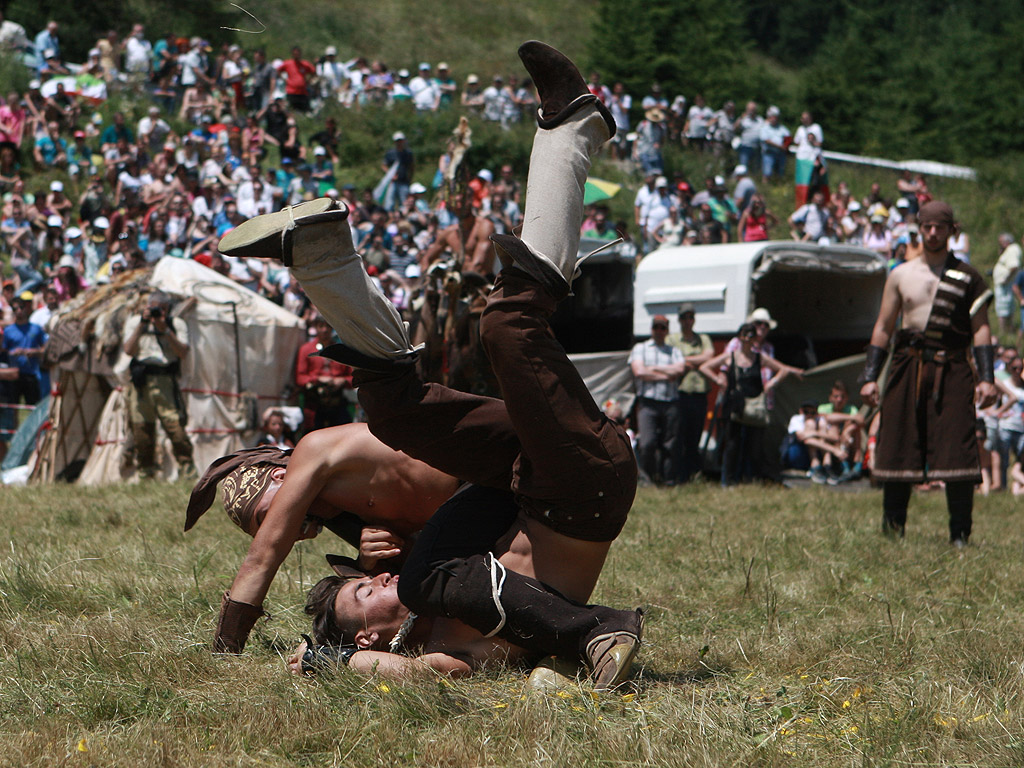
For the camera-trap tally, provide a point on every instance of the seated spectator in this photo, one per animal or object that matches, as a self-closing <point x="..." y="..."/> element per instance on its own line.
<point x="807" y="442"/>
<point x="811" y="221"/>
<point x="275" y="431"/>
<point x="68" y="283"/>
<point x="756" y="221"/>
<point x="51" y="150"/>
<point x="846" y="432"/>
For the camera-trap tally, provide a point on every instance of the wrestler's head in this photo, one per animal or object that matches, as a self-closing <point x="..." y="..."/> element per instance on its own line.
<point x="936" y="224"/>
<point x="251" y="479"/>
<point x="356" y="609"/>
<point x="247" y="493"/>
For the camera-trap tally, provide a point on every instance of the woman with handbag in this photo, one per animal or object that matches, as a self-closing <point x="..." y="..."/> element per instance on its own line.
<point x="743" y="414"/>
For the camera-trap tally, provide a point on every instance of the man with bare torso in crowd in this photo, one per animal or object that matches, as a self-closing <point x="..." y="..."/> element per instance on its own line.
<point x="341" y="478"/>
<point x="504" y="565"/>
<point x="468" y="239"/>
<point x="927" y="427"/>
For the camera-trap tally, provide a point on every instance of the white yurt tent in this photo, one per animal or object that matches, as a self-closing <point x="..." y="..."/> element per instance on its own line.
<point x="241" y="360"/>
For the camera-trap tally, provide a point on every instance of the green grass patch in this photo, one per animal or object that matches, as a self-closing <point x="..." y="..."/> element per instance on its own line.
<point x="783" y="631"/>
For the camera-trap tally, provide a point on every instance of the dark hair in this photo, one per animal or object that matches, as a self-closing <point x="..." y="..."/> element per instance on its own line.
<point x="327" y="629"/>
<point x="745" y="329"/>
<point x="841" y="386"/>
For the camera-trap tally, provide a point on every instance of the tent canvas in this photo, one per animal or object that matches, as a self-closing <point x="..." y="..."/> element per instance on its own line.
<point x="241" y="360"/>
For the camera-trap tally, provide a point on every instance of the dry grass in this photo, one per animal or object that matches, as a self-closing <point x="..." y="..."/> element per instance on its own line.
<point x="783" y="631"/>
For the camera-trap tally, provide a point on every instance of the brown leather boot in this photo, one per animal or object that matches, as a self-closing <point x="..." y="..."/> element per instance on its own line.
<point x="234" y="625"/>
<point x="561" y="87"/>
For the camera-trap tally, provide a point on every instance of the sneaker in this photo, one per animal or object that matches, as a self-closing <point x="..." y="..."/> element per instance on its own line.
<point x="819" y="475"/>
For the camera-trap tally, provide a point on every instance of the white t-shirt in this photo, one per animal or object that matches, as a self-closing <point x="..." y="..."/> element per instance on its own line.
<point x="698" y="119"/>
<point x="425" y="93"/>
<point x="137" y="54"/>
<point x="804" y="149"/>
<point x="619" y="106"/>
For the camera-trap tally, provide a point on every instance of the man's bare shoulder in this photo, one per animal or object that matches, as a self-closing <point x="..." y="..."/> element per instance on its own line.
<point x="453" y="638"/>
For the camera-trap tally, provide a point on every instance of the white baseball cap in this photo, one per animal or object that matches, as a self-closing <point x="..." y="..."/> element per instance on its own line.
<point x="56" y="186"/>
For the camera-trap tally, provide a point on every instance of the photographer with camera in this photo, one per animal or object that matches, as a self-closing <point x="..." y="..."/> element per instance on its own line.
<point x="157" y="343"/>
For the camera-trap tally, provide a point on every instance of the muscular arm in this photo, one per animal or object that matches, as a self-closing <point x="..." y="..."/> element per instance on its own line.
<point x="884" y="326"/>
<point x="985" y="392"/>
<point x="307" y="473"/>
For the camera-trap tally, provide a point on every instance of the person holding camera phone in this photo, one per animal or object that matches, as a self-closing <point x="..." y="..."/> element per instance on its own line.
<point x="157" y="343"/>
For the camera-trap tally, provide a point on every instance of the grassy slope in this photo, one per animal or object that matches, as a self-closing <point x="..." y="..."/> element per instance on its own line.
<point x="783" y="631"/>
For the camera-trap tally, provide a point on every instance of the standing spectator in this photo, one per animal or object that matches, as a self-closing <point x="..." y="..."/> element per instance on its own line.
<point x="47" y="40"/>
<point x="1003" y="274"/>
<point x="400" y="156"/>
<point x="656" y="98"/>
<point x="472" y="96"/>
<point x="321" y="381"/>
<point x="297" y="72"/>
<point x="748" y="126"/>
<point x="657" y="368"/>
<point x="774" y="145"/>
<point x="138" y="54"/>
<point x="24" y="343"/>
<point x="260" y="82"/>
<point x="494" y="98"/>
<point x="426" y="92"/>
<point x="740" y="430"/>
<point x="811" y="174"/>
<point x="445" y="85"/>
<point x="960" y="244"/>
<point x="697" y="349"/>
<point x="650" y="137"/>
<point x="13" y="37"/>
<point x="927" y="429"/>
<point x="698" y="123"/>
<point x="619" y="105"/>
<point x="332" y="73"/>
<point x="721" y="129"/>
<point x="157" y="343"/>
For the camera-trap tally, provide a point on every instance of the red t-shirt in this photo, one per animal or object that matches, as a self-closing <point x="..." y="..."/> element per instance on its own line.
<point x="295" y="75"/>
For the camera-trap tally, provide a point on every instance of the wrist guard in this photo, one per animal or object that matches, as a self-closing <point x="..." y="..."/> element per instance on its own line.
<point x="235" y="622"/>
<point x="318" y="658"/>
<point x="873" y="364"/>
<point x="984" y="361"/>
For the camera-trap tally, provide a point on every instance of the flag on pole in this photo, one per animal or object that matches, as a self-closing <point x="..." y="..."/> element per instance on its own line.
<point x="384" y="192"/>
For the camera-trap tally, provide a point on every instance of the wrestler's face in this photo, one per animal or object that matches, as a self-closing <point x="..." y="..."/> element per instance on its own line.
<point x="263" y="505"/>
<point x="935" y="235"/>
<point x="372" y="601"/>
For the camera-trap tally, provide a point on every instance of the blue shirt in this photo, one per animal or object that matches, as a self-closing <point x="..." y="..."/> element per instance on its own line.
<point x="24" y="336"/>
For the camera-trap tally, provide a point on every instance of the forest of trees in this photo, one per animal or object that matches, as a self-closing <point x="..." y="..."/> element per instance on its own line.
<point x="917" y="78"/>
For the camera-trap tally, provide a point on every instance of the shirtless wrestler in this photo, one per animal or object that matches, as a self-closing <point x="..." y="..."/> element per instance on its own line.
<point x="552" y="478"/>
<point x="468" y="239"/>
<point x="342" y="478"/>
<point x="927" y="429"/>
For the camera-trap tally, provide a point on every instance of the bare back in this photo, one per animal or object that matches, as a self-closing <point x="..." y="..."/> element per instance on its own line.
<point x="377" y="484"/>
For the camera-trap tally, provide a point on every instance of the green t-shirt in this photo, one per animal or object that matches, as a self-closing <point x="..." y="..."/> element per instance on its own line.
<point x="692" y="383"/>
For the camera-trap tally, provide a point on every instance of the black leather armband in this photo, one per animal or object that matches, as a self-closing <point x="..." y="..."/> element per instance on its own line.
<point x="873" y="364"/>
<point x="319" y="658"/>
<point x="984" y="361"/>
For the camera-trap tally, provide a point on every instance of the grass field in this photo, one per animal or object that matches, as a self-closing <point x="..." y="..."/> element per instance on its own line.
<point x="783" y="631"/>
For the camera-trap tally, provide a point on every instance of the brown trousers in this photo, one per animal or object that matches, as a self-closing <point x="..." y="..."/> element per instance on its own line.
<point x="571" y="467"/>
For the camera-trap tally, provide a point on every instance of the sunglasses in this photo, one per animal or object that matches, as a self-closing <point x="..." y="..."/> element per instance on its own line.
<point x="659" y="327"/>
